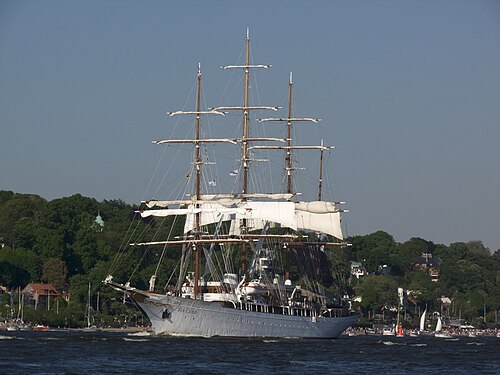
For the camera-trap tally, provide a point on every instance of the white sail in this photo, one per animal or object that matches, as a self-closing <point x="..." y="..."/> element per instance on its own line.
<point x="235" y="228"/>
<point x="439" y="325"/>
<point x="316" y="216"/>
<point x="210" y="213"/>
<point x="277" y="212"/>
<point x="328" y="223"/>
<point x="422" y="320"/>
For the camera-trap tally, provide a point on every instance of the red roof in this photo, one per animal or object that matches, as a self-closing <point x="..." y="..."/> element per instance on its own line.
<point x="41" y="289"/>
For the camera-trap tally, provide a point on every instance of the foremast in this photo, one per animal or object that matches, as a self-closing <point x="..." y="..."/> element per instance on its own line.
<point x="197" y="141"/>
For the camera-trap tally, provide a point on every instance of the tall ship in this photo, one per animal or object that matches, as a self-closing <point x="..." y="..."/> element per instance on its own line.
<point x="235" y="276"/>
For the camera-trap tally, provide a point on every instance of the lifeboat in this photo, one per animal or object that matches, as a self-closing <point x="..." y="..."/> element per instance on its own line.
<point x="254" y="287"/>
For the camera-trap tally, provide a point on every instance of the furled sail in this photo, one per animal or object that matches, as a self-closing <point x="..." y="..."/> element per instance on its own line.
<point x="214" y="210"/>
<point x="223" y="199"/>
<point x="316" y="207"/>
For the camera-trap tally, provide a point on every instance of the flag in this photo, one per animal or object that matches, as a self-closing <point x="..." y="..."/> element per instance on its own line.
<point x="212" y="183"/>
<point x="233" y="173"/>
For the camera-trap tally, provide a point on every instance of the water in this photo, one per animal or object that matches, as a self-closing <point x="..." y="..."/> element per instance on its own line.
<point x="62" y="352"/>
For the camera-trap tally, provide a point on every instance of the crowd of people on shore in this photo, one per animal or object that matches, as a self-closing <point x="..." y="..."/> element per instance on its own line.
<point x="450" y="331"/>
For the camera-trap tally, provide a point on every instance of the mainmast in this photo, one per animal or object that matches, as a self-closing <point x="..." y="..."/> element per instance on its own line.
<point x="246" y="114"/>
<point x="245" y="140"/>
<point x="288" y="157"/>
<point x="197" y="163"/>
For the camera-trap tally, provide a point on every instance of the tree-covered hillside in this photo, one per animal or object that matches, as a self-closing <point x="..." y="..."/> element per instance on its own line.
<point x="60" y="242"/>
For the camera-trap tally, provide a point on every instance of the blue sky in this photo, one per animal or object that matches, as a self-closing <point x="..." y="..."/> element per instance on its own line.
<point x="408" y="92"/>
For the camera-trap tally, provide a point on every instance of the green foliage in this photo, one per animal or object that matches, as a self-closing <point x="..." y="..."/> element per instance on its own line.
<point x="13" y="208"/>
<point x="340" y="270"/>
<point x="373" y="250"/>
<point x="20" y="266"/>
<point x="12" y="275"/>
<point x="54" y="272"/>
<point x="378" y="292"/>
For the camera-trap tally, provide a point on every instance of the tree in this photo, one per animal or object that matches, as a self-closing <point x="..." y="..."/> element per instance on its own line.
<point x="378" y="292"/>
<point x="373" y="249"/>
<point x="402" y="257"/>
<point x="15" y="207"/>
<point x="25" y="262"/>
<point x="12" y="275"/>
<point x="54" y="272"/>
<point x="423" y="288"/>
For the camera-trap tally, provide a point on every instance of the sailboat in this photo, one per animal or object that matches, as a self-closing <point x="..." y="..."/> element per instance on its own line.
<point x="260" y="298"/>
<point x="422" y="321"/>
<point x="439" y="330"/>
<point x="12" y="324"/>
<point x="421" y="330"/>
<point x="399" y="326"/>
<point x="88" y="311"/>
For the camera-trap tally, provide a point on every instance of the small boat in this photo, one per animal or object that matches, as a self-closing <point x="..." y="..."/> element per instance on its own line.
<point x="399" y="326"/>
<point x="388" y="331"/>
<point x="88" y="310"/>
<point x="439" y="330"/>
<point x="443" y="335"/>
<point x="40" y="327"/>
<point x="12" y="327"/>
<point x="400" y="332"/>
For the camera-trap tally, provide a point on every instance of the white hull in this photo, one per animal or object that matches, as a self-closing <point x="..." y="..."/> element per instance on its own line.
<point x="173" y="315"/>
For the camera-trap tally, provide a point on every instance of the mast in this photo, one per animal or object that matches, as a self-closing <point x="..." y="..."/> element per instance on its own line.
<point x="289" y="147"/>
<point x="197" y="163"/>
<point x="245" y="146"/>
<point x="320" y="179"/>
<point x="198" y="175"/>
<point x="88" y="308"/>
<point x="245" y="116"/>
<point x="245" y="140"/>
<point x="288" y="157"/>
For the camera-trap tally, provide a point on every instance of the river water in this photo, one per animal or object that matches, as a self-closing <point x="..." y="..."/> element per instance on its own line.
<point x="73" y="352"/>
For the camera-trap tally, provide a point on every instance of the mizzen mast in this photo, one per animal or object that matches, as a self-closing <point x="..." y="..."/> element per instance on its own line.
<point x="289" y="147"/>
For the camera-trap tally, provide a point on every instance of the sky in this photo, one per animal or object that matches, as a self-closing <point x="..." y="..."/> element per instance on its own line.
<point x="408" y="93"/>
